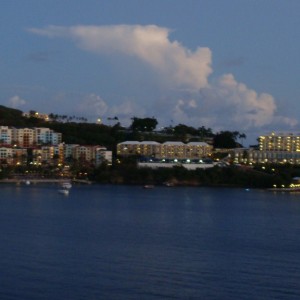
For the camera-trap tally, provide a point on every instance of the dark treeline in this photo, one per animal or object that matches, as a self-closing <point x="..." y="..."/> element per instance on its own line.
<point x="231" y="176"/>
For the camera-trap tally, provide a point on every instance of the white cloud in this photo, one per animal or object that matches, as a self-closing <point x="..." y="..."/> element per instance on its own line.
<point x="126" y="110"/>
<point x="222" y="104"/>
<point x="151" y="44"/>
<point x="16" y="101"/>
<point x="226" y="104"/>
<point x="247" y="107"/>
<point x="93" y="105"/>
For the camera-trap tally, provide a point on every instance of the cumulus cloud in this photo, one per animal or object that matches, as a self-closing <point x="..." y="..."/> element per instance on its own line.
<point x="151" y="44"/>
<point x="127" y="108"/>
<point x="246" y="105"/>
<point x="192" y="99"/>
<point x="227" y="104"/>
<point x="16" y="102"/>
<point x="93" y="105"/>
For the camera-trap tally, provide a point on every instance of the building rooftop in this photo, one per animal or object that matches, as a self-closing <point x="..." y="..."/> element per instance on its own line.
<point x="130" y="143"/>
<point x="197" y="144"/>
<point x="149" y="143"/>
<point x="174" y="143"/>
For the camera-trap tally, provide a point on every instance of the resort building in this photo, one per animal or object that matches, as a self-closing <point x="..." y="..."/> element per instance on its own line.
<point x="47" y="136"/>
<point x="13" y="156"/>
<point x="5" y="135"/>
<point x="167" y="150"/>
<point x="102" y="155"/>
<point x="129" y="148"/>
<point x="273" y="148"/>
<point x="28" y="137"/>
<point x="38" y="145"/>
<point x="65" y="151"/>
<point x="5" y="153"/>
<point x="172" y="150"/>
<point x="23" y="137"/>
<point x="198" y="150"/>
<point x="36" y="114"/>
<point x="287" y="142"/>
<point x="149" y="148"/>
<point x="91" y="154"/>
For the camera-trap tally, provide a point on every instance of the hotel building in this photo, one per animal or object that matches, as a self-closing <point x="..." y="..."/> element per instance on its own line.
<point x="273" y="148"/>
<point x="28" y="137"/>
<point x="167" y="150"/>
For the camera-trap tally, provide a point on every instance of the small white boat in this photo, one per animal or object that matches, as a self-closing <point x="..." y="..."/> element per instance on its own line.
<point x="148" y="186"/>
<point x="66" y="185"/>
<point x="27" y="182"/>
<point x="64" y="191"/>
<point x="169" y="184"/>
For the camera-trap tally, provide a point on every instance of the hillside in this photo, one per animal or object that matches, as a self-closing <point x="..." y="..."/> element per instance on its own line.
<point x="10" y="116"/>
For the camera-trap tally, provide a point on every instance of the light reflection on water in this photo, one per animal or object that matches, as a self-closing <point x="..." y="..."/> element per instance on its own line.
<point x="120" y="242"/>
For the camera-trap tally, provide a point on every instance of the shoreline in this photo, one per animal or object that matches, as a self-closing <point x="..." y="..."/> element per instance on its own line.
<point x="33" y="181"/>
<point x="28" y="181"/>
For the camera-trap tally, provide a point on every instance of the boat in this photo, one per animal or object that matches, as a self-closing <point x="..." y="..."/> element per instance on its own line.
<point x="66" y="185"/>
<point x="169" y="184"/>
<point x="148" y="186"/>
<point x="64" y="191"/>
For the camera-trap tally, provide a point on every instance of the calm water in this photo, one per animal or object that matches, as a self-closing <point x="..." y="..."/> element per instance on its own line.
<point x="118" y="242"/>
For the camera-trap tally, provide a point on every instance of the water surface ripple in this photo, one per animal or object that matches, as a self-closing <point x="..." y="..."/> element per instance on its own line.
<point x="125" y="242"/>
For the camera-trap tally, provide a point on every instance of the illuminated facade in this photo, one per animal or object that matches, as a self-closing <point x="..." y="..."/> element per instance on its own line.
<point x="28" y="137"/>
<point x="280" y="142"/>
<point x="167" y="150"/>
<point x="275" y="148"/>
<point x="47" y="136"/>
<point x="23" y="137"/>
<point x="37" y="115"/>
<point x="173" y="150"/>
<point x="91" y="154"/>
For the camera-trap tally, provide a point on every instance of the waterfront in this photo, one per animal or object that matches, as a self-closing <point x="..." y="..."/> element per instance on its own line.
<point x="125" y="242"/>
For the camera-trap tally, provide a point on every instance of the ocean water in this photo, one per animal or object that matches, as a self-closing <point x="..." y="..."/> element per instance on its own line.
<point x="125" y="242"/>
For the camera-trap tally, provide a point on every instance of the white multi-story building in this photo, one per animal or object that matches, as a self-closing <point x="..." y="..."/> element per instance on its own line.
<point x="173" y="150"/>
<point x="289" y="142"/>
<point x="65" y="151"/>
<point x="92" y="154"/>
<point x="273" y="148"/>
<point x="167" y="150"/>
<point x="47" y="136"/>
<point x="5" y="135"/>
<point x="102" y="155"/>
<point x="129" y="148"/>
<point x="6" y="152"/>
<point x="28" y="137"/>
<point x="23" y="137"/>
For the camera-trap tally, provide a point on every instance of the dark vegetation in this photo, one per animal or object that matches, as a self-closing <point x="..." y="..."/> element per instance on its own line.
<point x="232" y="176"/>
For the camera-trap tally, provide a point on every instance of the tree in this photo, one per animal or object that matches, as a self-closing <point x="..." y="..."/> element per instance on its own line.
<point x="205" y="132"/>
<point x="225" y="139"/>
<point x="32" y="113"/>
<point x="182" y="129"/>
<point x="143" y="124"/>
<point x="242" y="136"/>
